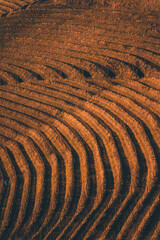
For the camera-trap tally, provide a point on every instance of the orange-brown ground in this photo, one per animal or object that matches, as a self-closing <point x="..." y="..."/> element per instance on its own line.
<point x="80" y="120"/>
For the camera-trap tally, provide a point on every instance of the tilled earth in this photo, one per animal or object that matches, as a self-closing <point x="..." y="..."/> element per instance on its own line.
<point x="79" y="121"/>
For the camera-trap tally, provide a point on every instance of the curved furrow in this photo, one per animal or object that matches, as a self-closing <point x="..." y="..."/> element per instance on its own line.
<point x="86" y="93"/>
<point x="10" y="182"/>
<point x="98" y="70"/>
<point x="80" y="42"/>
<point x="133" y="183"/>
<point x="149" y="92"/>
<point x="8" y="67"/>
<point x="51" y="158"/>
<point x="69" y="193"/>
<point x="74" y="55"/>
<point x="145" y="99"/>
<point x="151" y="123"/>
<point x="53" y="210"/>
<point x="144" y="64"/>
<point x="105" y="44"/>
<point x="68" y="165"/>
<point x="47" y="174"/>
<point x="65" y="152"/>
<point x="152" y="173"/>
<point x="138" y="109"/>
<point x="111" y="155"/>
<point x="136" y="86"/>
<point x="71" y="69"/>
<point x="128" y="48"/>
<point x="24" y="169"/>
<point x="97" y="168"/>
<point x="130" y="59"/>
<point x="6" y="78"/>
<point x="102" y="93"/>
<point x="79" y="120"/>
<point x="135" y="83"/>
<point x="54" y="11"/>
<point x="80" y="92"/>
<point x="38" y="165"/>
<point x="47" y="71"/>
<point x="24" y="74"/>
<point x="122" y="69"/>
<point x="115" y="97"/>
<point x="151" y="83"/>
<point x="143" y="113"/>
<point x="51" y="179"/>
<point x="12" y="76"/>
<point x="132" y="69"/>
<point x="26" y="176"/>
<point x="17" y="198"/>
<point x="82" y="149"/>
<point x="18" y="193"/>
<point x="79" y="147"/>
<point x="84" y="186"/>
<point x="135" y="126"/>
<point x="139" y="98"/>
<point x="103" y="104"/>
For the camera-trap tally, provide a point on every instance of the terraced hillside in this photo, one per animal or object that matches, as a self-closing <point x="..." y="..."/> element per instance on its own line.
<point x="79" y="120"/>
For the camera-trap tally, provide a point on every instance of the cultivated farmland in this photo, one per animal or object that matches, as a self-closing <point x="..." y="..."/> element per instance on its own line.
<point x="80" y="120"/>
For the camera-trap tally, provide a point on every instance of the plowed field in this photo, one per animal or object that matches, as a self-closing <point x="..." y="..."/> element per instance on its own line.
<point x="79" y="120"/>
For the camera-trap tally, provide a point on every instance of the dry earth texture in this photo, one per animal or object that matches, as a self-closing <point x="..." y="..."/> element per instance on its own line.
<point x="80" y="120"/>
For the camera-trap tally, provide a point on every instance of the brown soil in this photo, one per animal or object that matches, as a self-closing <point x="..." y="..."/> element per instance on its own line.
<point x="79" y="120"/>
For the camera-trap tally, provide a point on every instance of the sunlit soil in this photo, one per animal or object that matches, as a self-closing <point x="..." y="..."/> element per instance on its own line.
<point x="79" y="120"/>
